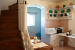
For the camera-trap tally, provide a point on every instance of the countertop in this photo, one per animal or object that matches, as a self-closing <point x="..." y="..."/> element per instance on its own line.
<point x="63" y="34"/>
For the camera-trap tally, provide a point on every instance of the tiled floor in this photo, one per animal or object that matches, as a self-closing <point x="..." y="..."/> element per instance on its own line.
<point x="63" y="48"/>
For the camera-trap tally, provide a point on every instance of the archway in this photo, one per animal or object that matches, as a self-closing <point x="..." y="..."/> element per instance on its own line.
<point x="44" y="37"/>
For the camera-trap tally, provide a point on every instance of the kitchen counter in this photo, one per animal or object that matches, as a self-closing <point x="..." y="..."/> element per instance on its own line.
<point x="64" y="34"/>
<point x="55" y="38"/>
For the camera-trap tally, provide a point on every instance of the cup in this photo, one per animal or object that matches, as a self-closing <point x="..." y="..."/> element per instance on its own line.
<point x="35" y="40"/>
<point x="63" y="6"/>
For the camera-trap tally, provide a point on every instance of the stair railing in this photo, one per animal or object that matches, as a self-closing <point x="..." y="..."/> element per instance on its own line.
<point x="23" y="24"/>
<point x="26" y="40"/>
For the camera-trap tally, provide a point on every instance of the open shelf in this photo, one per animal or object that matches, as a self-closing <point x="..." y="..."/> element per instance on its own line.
<point x="59" y="17"/>
<point x="52" y="8"/>
<point x="60" y="8"/>
<point x="66" y="8"/>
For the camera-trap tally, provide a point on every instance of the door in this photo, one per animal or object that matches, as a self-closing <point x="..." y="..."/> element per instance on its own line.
<point x="22" y="19"/>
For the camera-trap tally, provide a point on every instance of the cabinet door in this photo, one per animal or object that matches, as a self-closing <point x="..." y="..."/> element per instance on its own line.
<point x="54" y="40"/>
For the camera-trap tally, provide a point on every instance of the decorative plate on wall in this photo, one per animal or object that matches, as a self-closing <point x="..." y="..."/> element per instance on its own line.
<point x="61" y="15"/>
<point x="50" y="11"/>
<point x="68" y="10"/>
<point x="55" y="15"/>
<point x="55" y="11"/>
<point x="65" y="14"/>
<point x="50" y="15"/>
<point x="62" y="11"/>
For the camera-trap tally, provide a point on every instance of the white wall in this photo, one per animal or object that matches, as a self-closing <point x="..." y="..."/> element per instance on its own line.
<point x="6" y="3"/>
<point x="71" y="24"/>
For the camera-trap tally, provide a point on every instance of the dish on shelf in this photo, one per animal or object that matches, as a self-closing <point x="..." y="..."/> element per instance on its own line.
<point x="61" y="15"/>
<point x="50" y="15"/>
<point x="68" y="10"/>
<point x="65" y="14"/>
<point x="62" y="11"/>
<point x="55" y="15"/>
<point x="50" y="11"/>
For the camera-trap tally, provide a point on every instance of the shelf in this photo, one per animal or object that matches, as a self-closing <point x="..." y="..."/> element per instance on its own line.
<point x="64" y="34"/>
<point x="58" y="13"/>
<point x="60" y="16"/>
<point x="60" y="8"/>
<point x="52" y="18"/>
<point x="52" y="8"/>
<point x="65" y="8"/>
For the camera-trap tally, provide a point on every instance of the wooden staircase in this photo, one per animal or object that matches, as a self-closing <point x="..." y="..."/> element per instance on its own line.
<point x="10" y="35"/>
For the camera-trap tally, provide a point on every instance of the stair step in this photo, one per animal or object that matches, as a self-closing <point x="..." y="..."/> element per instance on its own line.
<point x="13" y="48"/>
<point x="11" y="44"/>
<point x="13" y="39"/>
<point x="20" y="48"/>
<point x="10" y="34"/>
<point x="10" y="30"/>
<point x="9" y="12"/>
<point x="8" y="38"/>
<point x="13" y="7"/>
<point x="8" y="19"/>
<point x="8" y="26"/>
<point x="4" y="39"/>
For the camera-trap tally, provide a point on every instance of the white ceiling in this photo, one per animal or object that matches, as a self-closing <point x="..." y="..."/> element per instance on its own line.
<point x="54" y="0"/>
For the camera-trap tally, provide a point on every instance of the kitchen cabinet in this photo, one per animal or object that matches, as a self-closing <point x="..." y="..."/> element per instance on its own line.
<point x="55" y="39"/>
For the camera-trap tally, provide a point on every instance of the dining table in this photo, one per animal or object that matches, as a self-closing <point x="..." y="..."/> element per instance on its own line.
<point x="40" y="45"/>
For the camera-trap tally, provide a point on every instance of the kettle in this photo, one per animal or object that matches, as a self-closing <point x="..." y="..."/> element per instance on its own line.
<point x="68" y="33"/>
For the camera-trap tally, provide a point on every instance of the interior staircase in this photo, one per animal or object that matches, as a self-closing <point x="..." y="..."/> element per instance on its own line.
<point x="10" y="35"/>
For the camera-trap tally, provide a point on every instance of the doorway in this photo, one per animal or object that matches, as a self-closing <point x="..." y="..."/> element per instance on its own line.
<point x="34" y="20"/>
<point x="41" y="22"/>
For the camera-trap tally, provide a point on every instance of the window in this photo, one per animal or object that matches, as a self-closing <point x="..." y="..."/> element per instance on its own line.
<point x="30" y="20"/>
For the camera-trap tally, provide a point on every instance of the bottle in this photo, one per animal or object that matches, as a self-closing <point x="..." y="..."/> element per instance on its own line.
<point x="70" y="32"/>
<point x="35" y="40"/>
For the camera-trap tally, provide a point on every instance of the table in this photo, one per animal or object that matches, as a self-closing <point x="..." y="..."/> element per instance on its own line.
<point x="41" y="45"/>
